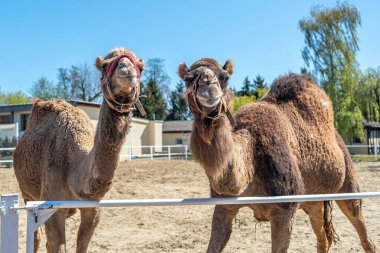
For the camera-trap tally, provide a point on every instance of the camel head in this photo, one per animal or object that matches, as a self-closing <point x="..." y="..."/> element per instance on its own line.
<point x="121" y="71"/>
<point x="207" y="92"/>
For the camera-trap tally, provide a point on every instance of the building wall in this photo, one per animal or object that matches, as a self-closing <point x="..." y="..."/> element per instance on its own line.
<point x="142" y="132"/>
<point x="155" y="134"/>
<point x="92" y="112"/>
<point x="170" y="138"/>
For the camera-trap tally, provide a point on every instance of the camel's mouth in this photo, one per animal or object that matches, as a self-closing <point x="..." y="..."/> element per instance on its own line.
<point x="209" y="102"/>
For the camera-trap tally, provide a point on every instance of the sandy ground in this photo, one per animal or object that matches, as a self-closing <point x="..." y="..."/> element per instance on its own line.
<point x="186" y="229"/>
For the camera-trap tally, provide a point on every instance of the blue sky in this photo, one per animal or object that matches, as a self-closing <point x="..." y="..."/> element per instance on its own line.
<point x="261" y="37"/>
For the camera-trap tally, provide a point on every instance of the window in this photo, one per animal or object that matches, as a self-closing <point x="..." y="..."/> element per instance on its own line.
<point x="178" y="141"/>
<point x="24" y="121"/>
<point x="6" y="119"/>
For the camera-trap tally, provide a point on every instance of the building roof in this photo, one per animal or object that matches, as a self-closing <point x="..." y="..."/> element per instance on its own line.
<point x="372" y="125"/>
<point x="28" y="107"/>
<point x="177" y="126"/>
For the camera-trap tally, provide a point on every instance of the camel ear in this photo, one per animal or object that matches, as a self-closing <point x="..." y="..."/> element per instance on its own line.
<point x="229" y="67"/>
<point x="141" y="65"/>
<point x="182" y="70"/>
<point x="100" y="63"/>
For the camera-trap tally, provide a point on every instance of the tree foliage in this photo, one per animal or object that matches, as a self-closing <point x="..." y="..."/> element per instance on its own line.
<point x="44" y="89"/>
<point x="14" y="98"/>
<point x="331" y="46"/>
<point x="240" y="101"/>
<point x="155" y="86"/>
<point x="246" y="90"/>
<point x="155" y="70"/>
<point x="178" y="106"/>
<point x="75" y="83"/>
<point x="251" y="91"/>
<point x="154" y="103"/>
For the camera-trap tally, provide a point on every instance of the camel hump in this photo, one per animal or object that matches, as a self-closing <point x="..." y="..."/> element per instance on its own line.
<point x="290" y="87"/>
<point x="50" y="106"/>
<point x="302" y="93"/>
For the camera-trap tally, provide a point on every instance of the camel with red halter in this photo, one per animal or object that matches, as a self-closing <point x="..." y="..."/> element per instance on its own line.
<point x="61" y="157"/>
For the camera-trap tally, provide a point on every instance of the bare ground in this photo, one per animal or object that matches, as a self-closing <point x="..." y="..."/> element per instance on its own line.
<point x="186" y="229"/>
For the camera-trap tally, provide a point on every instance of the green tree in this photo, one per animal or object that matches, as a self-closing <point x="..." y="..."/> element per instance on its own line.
<point x="155" y="86"/>
<point x="260" y="88"/>
<point x="154" y="103"/>
<point x="155" y="70"/>
<point x="80" y="83"/>
<point x="44" y="89"/>
<point x="331" y="47"/>
<point x="246" y="90"/>
<point x="367" y="94"/>
<point x="259" y="82"/>
<point x="13" y="98"/>
<point x="178" y="107"/>
<point x="239" y="101"/>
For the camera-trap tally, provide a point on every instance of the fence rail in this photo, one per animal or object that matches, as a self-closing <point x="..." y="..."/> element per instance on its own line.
<point x="364" y="150"/>
<point x="152" y="152"/>
<point x="38" y="212"/>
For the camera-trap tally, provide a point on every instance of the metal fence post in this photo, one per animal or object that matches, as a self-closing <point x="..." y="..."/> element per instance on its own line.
<point x="375" y="143"/>
<point x="169" y="154"/>
<point x="186" y="152"/>
<point x="9" y="223"/>
<point x="17" y="133"/>
<point x="151" y="152"/>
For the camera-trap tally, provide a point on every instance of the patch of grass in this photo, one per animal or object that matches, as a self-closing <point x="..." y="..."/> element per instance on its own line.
<point x="364" y="158"/>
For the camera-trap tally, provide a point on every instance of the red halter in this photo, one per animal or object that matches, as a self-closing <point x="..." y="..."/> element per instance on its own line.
<point x="113" y="64"/>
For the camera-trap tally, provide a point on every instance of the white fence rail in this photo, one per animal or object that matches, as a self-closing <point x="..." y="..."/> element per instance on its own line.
<point x="39" y="212"/>
<point x="155" y="152"/>
<point x="8" y="162"/>
<point x="364" y="150"/>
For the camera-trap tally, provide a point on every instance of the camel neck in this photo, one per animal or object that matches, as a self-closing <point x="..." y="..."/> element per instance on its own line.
<point x="109" y="139"/>
<point x="223" y="153"/>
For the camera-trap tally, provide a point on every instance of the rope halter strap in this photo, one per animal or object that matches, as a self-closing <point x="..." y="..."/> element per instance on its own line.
<point x="108" y="95"/>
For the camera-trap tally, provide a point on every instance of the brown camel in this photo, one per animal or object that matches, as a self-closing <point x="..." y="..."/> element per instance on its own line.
<point x="61" y="157"/>
<point x="284" y="145"/>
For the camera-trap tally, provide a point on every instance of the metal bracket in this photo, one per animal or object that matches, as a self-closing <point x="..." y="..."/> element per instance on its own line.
<point x="35" y="218"/>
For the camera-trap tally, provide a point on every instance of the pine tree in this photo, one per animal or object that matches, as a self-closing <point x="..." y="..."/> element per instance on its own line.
<point x="178" y="106"/>
<point x="154" y="103"/>
<point x="246" y="90"/>
<point x="260" y="88"/>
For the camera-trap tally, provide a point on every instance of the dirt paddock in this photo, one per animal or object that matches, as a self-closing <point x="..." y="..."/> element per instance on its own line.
<point x="186" y="229"/>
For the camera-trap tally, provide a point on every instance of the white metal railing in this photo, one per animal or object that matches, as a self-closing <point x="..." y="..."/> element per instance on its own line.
<point x="38" y="212"/>
<point x="155" y="152"/>
<point x="363" y="150"/>
<point x="7" y="161"/>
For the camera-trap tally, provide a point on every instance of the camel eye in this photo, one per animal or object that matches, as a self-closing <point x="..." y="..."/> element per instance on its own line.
<point x="189" y="77"/>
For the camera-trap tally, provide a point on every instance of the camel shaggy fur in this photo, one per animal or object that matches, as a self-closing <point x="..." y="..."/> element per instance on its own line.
<point x="61" y="157"/>
<point x="284" y="145"/>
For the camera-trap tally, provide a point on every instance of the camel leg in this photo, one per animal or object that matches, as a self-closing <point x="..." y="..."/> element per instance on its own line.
<point x="221" y="227"/>
<point x="354" y="212"/>
<point x="89" y="221"/>
<point x="315" y="211"/>
<point x="55" y="232"/>
<point x="281" y="222"/>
